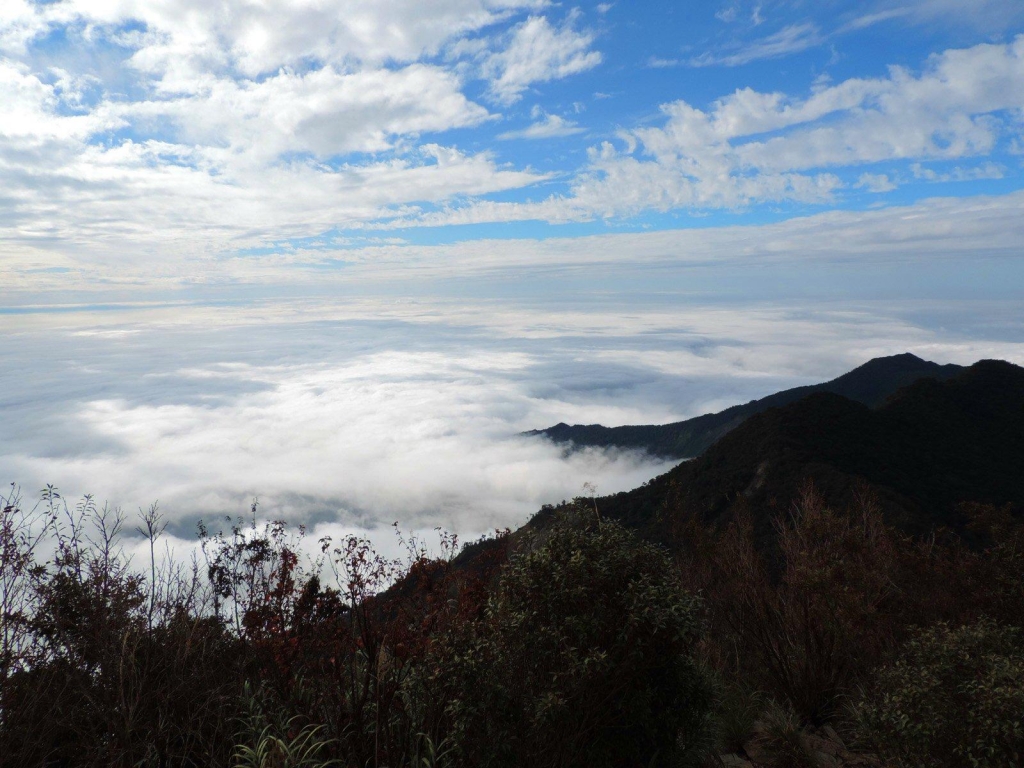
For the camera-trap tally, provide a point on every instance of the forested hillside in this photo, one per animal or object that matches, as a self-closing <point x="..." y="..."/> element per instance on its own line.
<point x="830" y="584"/>
<point x="869" y="384"/>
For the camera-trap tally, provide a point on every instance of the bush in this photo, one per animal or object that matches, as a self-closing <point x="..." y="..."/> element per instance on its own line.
<point x="736" y="712"/>
<point x="582" y="659"/>
<point x="108" y="674"/>
<point x="802" y="622"/>
<point x="954" y="697"/>
<point x="782" y="740"/>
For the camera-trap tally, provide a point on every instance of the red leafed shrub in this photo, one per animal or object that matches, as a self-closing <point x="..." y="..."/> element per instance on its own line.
<point x="800" y="622"/>
<point x="809" y="618"/>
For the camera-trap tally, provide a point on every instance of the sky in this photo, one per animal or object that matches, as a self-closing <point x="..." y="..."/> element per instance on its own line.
<point x="340" y="253"/>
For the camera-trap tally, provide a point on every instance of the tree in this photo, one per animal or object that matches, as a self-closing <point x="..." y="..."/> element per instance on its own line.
<point x="583" y="658"/>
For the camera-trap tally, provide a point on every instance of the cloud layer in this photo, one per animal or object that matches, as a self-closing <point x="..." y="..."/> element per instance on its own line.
<point x="361" y="415"/>
<point x="339" y="253"/>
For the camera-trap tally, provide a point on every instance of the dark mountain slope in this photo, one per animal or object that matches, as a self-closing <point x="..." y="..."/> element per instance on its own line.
<point x="869" y="384"/>
<point x="932" y="445"/>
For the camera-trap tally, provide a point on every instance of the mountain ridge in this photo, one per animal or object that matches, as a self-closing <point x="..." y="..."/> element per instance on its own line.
<point x="870" y="383"/>
<point x="930" y="447"/>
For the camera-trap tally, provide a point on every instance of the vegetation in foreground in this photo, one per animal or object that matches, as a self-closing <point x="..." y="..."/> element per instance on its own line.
<point x="571" y="643"/>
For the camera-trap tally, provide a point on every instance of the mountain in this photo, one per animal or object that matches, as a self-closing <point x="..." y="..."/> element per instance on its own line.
<point x="869" y="384"/>
<point x="930" y="446"/>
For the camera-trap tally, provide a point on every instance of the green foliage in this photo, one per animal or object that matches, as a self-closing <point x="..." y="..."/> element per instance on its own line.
<point x="102" y="678"/>
<point x="782" y="739"/>
<point x="735" y="714"/>
<point x="583" y="649"/>
<point x="954" y="697"/>
<point x="287" y="744"/>
<point x="584" y="658"/>
<point x="300" y="749"/>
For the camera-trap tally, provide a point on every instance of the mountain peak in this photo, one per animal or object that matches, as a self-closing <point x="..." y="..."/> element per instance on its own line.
<point x="870" y="384"/>
<point x="934" y="444"/>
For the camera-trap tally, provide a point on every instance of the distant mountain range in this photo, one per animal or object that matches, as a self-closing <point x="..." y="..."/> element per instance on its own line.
<point x="929" y="447"/>
<point x="917" y="437"/>
<point x="869" y="384"/>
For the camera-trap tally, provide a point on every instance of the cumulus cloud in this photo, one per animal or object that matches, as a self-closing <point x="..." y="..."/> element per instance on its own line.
<point x="958" y="173"/>
<point x="876" y="182"/>
<point x="538" y="52"/>
<point x="184" y="38"/>
<point x="754" y="147"/>
<point x="215" y="194"/>
<point x="196" y="160"/>
<point x="228" y="127"/>
<point x="323" y="112"/>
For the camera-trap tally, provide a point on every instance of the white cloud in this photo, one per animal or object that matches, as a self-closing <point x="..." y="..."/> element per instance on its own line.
<point x="20" y="22"/>
<point x="787" y="41"/>
<point x="226" y="186"/>
<point x="957" y="107"/>
<point x="752" y="147"/>
<point x="538" y="52"/>
<point x="551" y="126"/>
<point x="958" y="173"/>
<point x="987" y="15"/>
<point x="324" y="112"/>
<point x="208" y="160"/>
<point x="876" y="182"/>
<point x="876" y="17"/>
<point x="250" y="122"/>
<point x="366" y="412"/>
<point x="728" y="14"/>
<point x="940" y="228"/>
<point x="384" y="437"/>
<point x="188" y="37"/>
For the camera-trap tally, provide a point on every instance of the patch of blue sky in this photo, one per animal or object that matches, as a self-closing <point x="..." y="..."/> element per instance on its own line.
<point x="98" y="54"/>
<point x="678" y="33"/>
<point x="46" y="270"/>
<point x="841" y="40"/>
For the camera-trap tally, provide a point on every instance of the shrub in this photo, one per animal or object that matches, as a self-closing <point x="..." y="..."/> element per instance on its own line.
<point x="804" y="624"/>
<point x="736" y="713"/>
<point x="954" y="697"/>
<point x="781" y="738"/>
<point x="583" y="659"/>
<point x="110" y="675"/>
<point x="287" y="744"/>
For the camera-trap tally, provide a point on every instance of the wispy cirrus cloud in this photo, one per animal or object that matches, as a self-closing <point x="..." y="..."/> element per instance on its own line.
<point x="547" y="127"/>
<point x="787" y="41"/>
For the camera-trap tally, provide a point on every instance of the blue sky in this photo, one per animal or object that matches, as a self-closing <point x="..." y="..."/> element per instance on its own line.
<point x="339" y="253"/>
<point x="184" y="134"/>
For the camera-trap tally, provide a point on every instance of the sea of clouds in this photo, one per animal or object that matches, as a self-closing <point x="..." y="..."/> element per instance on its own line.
<point x="347" y="416"/>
